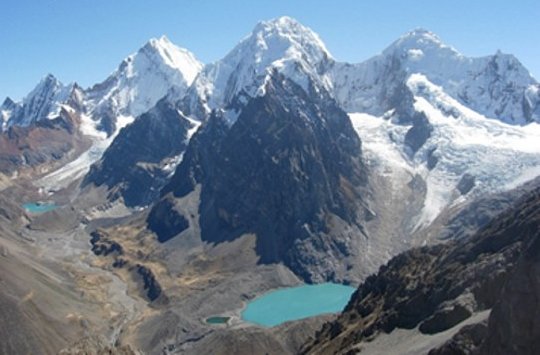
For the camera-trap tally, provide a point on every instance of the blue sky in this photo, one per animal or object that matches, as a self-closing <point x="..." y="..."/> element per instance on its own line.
<point x="84" y="40"/>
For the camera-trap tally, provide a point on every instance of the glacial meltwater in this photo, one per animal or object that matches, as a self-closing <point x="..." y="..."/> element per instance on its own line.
<point x="39" y="207"/>
<point x="299" y="302"/>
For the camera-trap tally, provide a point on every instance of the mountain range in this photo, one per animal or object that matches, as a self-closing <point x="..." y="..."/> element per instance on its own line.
<point x="275" y="165"/>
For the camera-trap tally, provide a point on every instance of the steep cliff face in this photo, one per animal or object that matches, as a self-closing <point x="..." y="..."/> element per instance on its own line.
<point x="290" y="170"/>
<point x="435" y="288"/>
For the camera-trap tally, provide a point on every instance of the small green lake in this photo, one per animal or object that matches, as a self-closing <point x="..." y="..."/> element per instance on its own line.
<point x="39" y="207"/>
<point x="217" y="320"/>
<point x="295" y="303"/>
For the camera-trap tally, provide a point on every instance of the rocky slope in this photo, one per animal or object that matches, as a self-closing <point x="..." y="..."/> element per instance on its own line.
<point x="435" y="288"/>
<point x="49" y="295"/>
<point x="421" y="140"/>
<point x="513" y="326"/>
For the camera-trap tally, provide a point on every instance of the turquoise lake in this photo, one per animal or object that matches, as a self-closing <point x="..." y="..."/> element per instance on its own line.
<point x="299" y="302"/>
<point x="36" y="208"/>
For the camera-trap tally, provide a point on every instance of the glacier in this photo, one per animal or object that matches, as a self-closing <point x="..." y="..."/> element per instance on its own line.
<point x="498" y="155"/>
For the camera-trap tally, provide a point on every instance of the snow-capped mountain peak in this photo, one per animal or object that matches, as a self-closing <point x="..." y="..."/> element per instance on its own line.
<point x="43" y="102"/>
<point x="281" y="44"/>
<point x="464" y="156"/>
<point x="288" y="35"/>
<point x="48" y="85"/>
<point x="143" y="78"/>
<point x="421" y="50"/>
<point x="420" y="39"/>
<point x="496" y="86"/>
<point x="175" y="57"/>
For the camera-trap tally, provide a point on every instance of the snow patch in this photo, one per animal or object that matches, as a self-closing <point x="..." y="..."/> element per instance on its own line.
<point x="89" y="128"/>
<point x="194" y="126"/>
<point x="415" y="54"/>
<point x="498" y="155"/>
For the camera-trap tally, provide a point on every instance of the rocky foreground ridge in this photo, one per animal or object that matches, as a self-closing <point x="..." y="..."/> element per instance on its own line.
<point x="435" y="288"/>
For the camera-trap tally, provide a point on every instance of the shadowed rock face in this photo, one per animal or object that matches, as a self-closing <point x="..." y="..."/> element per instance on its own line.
<point x="150" y="285"/>
<point x="466" y="183"/>
<point x="402" y="101"/>
<point x="437" y="287"/>
<point x="288" y="165"/>
<point x="166" y="222"/>
<point x="132" y="167"/>
<point x="419" y="133"/>
<point x="514" y="323"/>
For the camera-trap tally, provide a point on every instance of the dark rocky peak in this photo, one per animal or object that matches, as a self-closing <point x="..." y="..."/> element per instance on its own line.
<point x="401" y="101"/>
<point x="202" y="147"/>
<point x="289" y="164"/>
